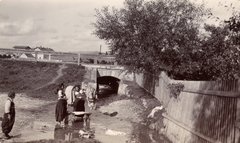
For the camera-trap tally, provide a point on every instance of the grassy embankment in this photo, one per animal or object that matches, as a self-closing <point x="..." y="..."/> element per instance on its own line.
<point x="33" y="78"/>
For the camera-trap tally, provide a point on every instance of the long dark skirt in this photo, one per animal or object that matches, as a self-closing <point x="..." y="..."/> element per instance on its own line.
<point x="79" y="105"/>
<point x="7" y="124"/>
<point x="61" y="110"/>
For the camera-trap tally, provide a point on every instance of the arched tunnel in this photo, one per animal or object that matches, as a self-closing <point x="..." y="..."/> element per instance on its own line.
<point x="107" y="85"/>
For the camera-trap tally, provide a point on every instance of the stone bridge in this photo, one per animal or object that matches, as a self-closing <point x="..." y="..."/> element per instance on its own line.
<point x="96" y="71"/>
<point x="109" y="75"/>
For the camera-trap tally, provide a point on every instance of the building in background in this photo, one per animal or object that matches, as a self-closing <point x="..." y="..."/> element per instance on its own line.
<point x="27" y="56"/>
<point x="40" y="53"/>
<point x="20" y="48"/>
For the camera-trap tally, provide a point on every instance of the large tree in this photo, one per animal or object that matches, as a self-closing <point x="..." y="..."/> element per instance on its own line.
<point x="151" y="36"/>
<point x="165" y="35"/>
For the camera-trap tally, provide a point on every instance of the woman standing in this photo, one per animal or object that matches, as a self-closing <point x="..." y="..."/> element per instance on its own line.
<point x="61" y="112"/>
<point x="91" y="98"/>
<point x="79" y="103"/>
<point x="9" y="116"/>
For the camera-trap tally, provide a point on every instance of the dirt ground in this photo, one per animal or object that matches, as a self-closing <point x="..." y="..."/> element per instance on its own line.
<point x="129" y="109"/>
<point x="29" y="110"/>
<point x="32" y="110"/>
<point x="35" y="119"/>
<point x="135" y="107"/>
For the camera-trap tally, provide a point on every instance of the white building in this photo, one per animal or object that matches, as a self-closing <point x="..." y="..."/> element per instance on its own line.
<point x="40" y="54"/>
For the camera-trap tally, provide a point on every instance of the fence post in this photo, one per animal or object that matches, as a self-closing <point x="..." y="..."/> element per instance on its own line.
<point x="49" y="58"/>
<point x="36" y="56"/>
<point x="237" y="123"/>
<point x="79" y="59"/>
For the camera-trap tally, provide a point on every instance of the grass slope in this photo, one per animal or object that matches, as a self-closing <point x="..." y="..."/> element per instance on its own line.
<point x="33" y="77"/>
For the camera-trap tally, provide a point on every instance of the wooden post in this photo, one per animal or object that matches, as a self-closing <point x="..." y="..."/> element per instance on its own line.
<point x="49" y="58"/>
<point x="97" y="88"/>
<point x="95" y="61"/>
<point x="237" y="123"/>
<point x="79" y="58"/>
<point x="36" y="56"/>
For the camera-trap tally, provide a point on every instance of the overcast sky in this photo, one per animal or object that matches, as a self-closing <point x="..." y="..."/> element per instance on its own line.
<point x="64" y="25"/>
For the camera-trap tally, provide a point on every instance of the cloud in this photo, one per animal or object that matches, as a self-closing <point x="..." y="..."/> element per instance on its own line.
<point x="46" y="29"/>
<point x="60" y="24"/>
<point x="17" y="28"/>
<point x="4" y="16"/>
<point x="27" y="27"/>
<point x="8" y="29"/>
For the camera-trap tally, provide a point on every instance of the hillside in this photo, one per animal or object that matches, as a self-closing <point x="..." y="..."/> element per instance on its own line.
<point x="36" y="78"/>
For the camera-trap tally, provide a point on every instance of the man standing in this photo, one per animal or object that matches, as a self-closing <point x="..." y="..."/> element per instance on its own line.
<point x="9" y="116"/>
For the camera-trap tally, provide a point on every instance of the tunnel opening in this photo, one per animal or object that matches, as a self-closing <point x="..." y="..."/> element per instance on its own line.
<point x="107" y="85"/>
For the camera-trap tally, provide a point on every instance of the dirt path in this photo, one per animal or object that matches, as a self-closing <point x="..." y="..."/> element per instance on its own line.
<point x="59" y="73"/>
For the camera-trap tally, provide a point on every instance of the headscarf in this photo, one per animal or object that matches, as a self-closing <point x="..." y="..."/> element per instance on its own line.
<point x="60" y="94"/>
<point x="11" y="94"/>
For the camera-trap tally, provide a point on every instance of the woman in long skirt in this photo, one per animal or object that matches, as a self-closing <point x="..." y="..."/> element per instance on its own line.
<point x="79" y="103"/>
<point x="61" y="112"/>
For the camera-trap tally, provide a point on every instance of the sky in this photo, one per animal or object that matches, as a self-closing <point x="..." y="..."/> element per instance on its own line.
<point x="65" y="25"/>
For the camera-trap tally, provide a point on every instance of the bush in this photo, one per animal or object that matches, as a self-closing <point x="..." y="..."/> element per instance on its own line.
<point x="35" y="78"/>
<point x="175" y="89"/>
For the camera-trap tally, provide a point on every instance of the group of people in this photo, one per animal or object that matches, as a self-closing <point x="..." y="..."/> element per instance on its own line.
<point x="72" y="96"/>
<point x="76" y="99"/>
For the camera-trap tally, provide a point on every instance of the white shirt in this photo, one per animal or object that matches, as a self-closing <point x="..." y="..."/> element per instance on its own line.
<point x="8" y="105"/>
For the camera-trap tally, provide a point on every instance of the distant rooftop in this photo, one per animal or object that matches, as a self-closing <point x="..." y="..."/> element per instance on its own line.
<point x="44" y="49"/>
<point x="29" y="55"/>
<point x="22" y="47"/>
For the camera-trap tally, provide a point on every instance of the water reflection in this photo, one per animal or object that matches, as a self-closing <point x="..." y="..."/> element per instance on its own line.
<point x="75" y="130"/>
<point x="59" y="132"/>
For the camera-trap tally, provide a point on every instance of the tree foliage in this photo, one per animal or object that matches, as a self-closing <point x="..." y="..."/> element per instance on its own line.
<point x="150" y="36"/>
<point x="234" y="26"/>
<point x="164" y="35"/>
<point x="219" y="56"/>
